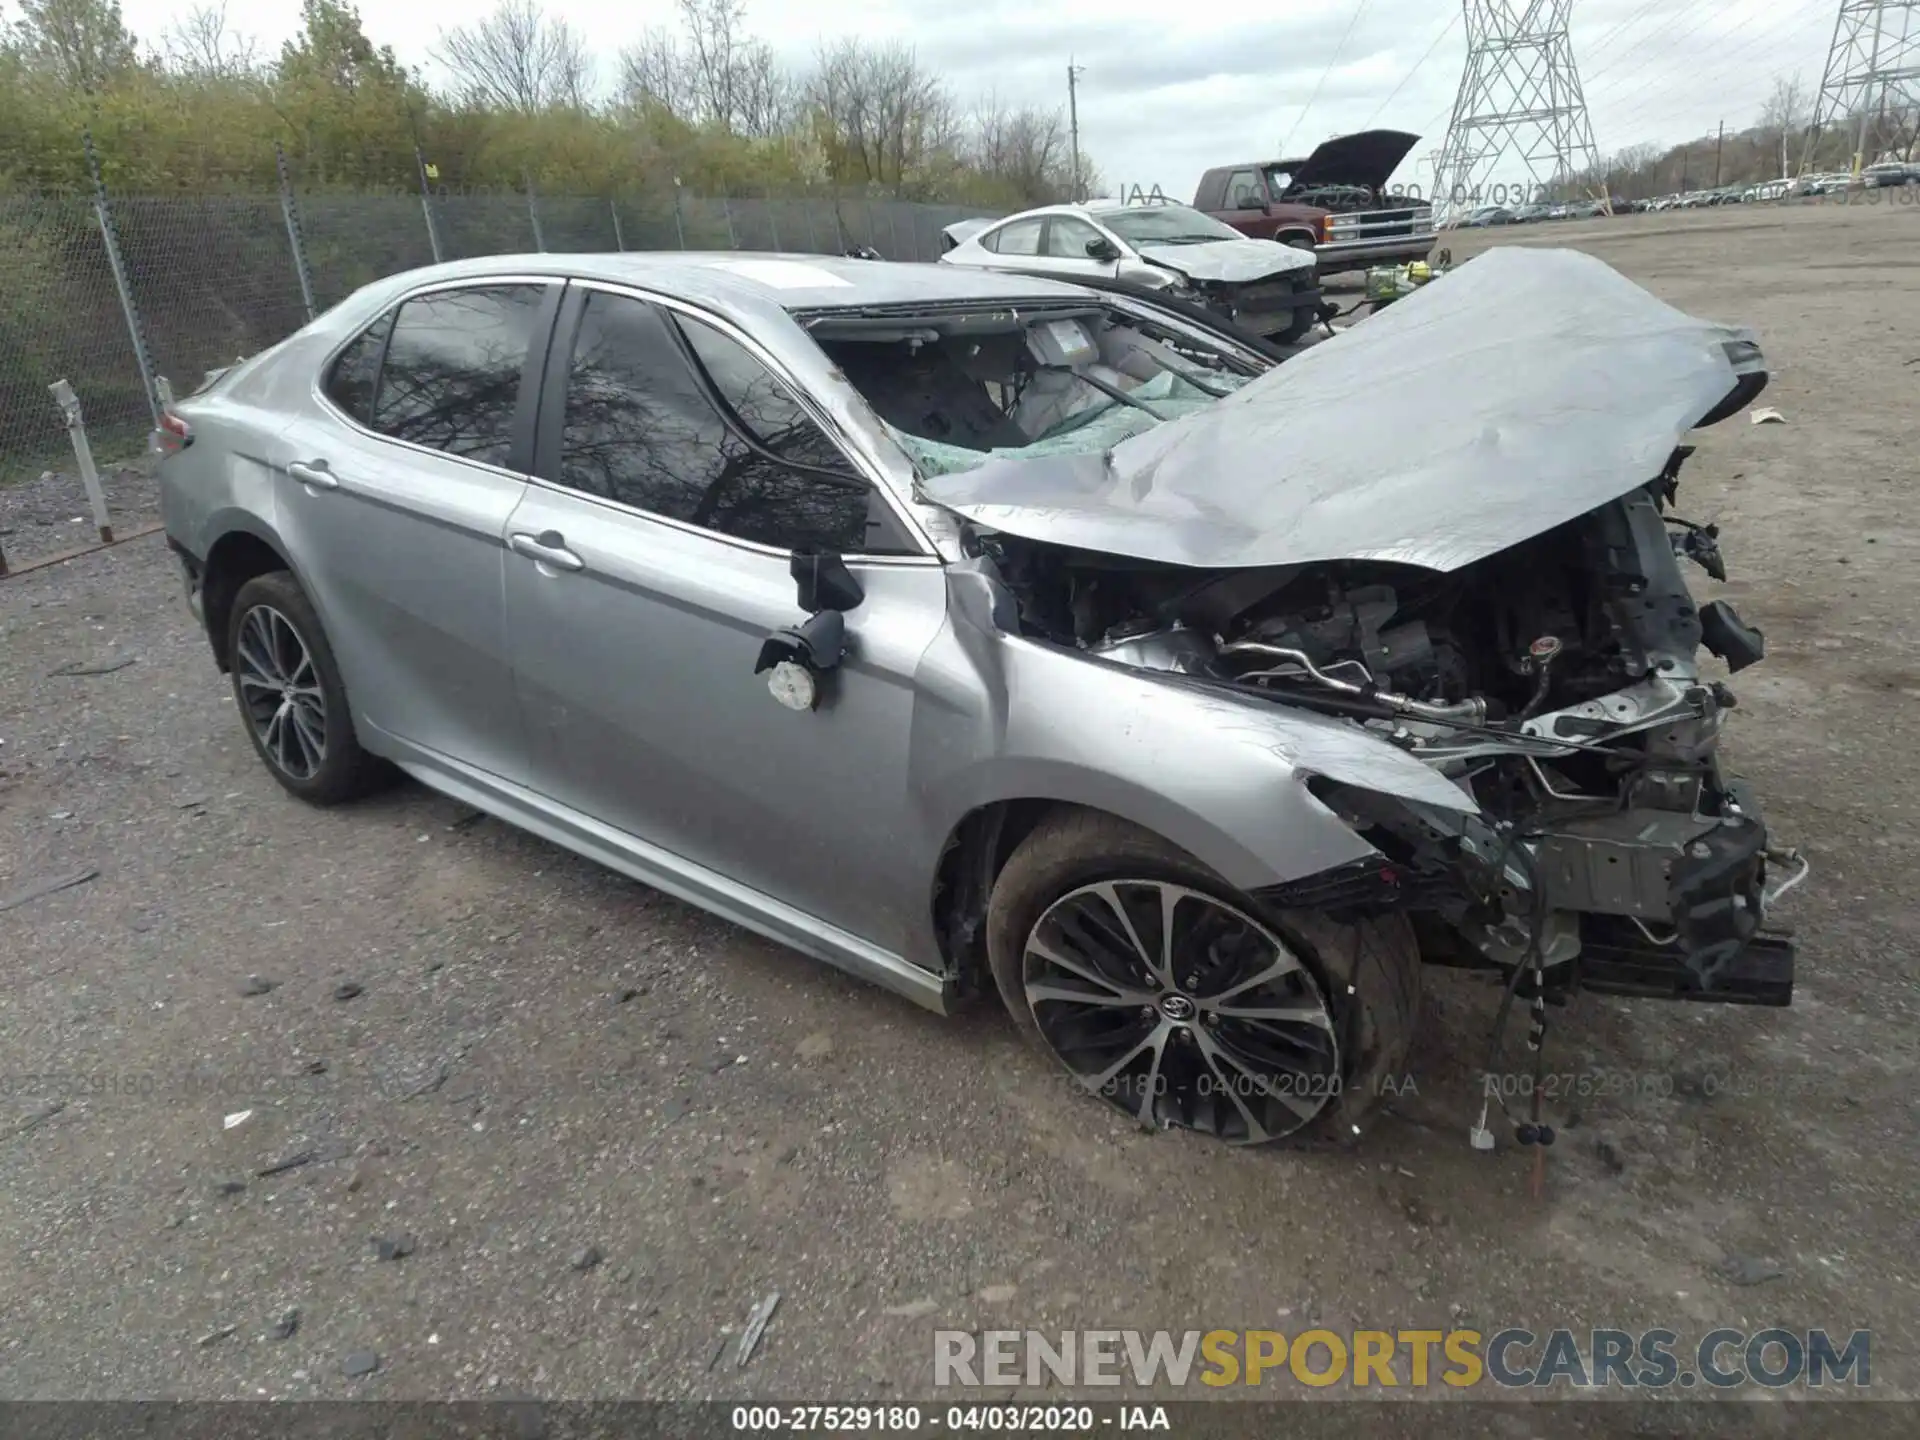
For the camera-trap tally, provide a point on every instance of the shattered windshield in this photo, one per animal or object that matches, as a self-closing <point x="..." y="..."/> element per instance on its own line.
<point x="959" y="389"/>
<point x="1165" y="225"/>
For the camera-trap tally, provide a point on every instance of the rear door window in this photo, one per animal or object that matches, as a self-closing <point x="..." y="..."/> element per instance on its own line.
<point x="452" y="375"/>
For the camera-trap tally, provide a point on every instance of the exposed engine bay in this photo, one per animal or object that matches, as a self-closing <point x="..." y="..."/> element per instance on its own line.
<point x="1556" y="682"/>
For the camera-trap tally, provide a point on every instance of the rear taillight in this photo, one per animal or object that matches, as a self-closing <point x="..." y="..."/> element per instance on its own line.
<point x="173" y="435"/>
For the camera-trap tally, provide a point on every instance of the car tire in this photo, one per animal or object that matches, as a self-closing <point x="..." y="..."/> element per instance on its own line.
<point x="305" y="737"/>
<point x="1304" y="319"/>
<point x="1365" y="976"/>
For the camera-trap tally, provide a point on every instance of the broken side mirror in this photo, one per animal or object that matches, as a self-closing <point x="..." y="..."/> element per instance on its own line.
<point x="824" y="581"/>
<point x="1101" y="248"/>
<point x="800" y="656"/>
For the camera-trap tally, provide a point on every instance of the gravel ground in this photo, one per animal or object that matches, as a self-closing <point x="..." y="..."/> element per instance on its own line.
<point x="608" y="1125"/>
<point x="50" y="515"/>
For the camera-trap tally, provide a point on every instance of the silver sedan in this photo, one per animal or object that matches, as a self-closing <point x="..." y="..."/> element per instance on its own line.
<point x="980" y="633"/>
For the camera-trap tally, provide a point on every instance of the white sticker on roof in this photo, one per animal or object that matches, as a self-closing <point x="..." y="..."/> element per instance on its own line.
<point x="784" y="274"/>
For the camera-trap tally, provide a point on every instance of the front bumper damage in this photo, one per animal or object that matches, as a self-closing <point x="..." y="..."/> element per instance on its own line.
<point x="1651" y="888"/>
<point x="1645" y="900"/>
<point x="1491" y="585"/>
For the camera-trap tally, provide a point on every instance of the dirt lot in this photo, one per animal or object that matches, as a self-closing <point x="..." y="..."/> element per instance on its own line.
<point x="545" y="1058"/>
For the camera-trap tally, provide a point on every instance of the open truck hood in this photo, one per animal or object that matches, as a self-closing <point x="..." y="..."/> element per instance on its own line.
<point x="1232" y="262"/>
<point x="1510" y="396"/>
<point x="1366" y="159"/>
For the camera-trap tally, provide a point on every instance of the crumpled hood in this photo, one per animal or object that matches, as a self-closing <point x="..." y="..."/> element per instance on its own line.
<point x="1507" y="397"/>
<point x="1233" y="261"/>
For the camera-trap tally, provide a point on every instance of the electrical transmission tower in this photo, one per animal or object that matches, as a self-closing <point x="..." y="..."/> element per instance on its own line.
<point x="1872" y="80"/>
<point x="1519" y="129"/>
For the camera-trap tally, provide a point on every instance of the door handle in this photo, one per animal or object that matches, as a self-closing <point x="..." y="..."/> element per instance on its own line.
<point x="314" y="474"/>
<point x="549" y="547"/>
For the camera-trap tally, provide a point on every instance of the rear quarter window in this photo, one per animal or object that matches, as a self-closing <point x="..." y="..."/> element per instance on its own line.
<point x="1021" y="237"/>
<point x="355" y="371"/>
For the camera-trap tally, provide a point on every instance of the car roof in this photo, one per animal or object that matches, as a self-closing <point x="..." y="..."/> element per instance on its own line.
<point x="743" y="281"/>
<point x="1103" y="208"/>
<point x="1087" y="209"/>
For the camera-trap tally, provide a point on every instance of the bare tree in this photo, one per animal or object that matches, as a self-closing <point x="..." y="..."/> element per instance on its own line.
<point x="763" y="92"/>
<point x="82" y="44"/>
<point x="653" y="72"/>
<point x="712" y="28"/>
<point x="1784" y="115"/>
<point x="204" y="46"/>
<point x="518" y="58"/>
<point x="880" y="113"/>
<point x="1027" y="149"/>
<point x="711" y="74"/>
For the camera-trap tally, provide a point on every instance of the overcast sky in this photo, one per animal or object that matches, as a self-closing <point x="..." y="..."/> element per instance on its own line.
<point x="1162" y="98"/>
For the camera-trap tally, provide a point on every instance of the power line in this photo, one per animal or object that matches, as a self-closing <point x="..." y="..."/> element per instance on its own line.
<point x="1605" y="40"/>
<point x="1445" y="30"/>
<point x="1713" y="12"/>
<point x="1759" y="38"/>
<point x="1338" y="50"/>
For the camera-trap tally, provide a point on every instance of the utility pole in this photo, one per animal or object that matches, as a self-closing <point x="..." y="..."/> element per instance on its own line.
<point x="1719" y="141"/>
<point x="1074" y="72"/>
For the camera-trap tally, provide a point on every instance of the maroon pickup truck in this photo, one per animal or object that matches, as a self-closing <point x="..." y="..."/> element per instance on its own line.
<point x="1334" y="202"/>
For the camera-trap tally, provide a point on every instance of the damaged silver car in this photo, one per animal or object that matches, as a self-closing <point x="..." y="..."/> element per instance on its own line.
<point x="980" y="634"/>
<point x="1270" y="290"/>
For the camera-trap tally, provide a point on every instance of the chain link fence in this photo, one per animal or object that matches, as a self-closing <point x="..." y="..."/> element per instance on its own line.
<point x="61" y="318"/>
<point x="209" y="278"/>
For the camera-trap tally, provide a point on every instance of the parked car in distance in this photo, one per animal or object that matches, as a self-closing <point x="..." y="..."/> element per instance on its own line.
<point x="1832" y="183"/>
<point x="983" y="634"/>
<point x="1271" y="290"/>
<point x="1484" y="216"/>
<point x="1530" y="214"/>
<point x="1334" y="202"/>
<point x="1891" y="174"/>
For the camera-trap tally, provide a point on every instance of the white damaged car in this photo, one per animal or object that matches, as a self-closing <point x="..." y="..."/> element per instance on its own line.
<point x="1270" y="289"/>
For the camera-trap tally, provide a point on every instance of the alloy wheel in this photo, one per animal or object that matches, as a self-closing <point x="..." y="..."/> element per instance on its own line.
<point x="280" y="690"/>
<point x="1181" y="1009"/>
